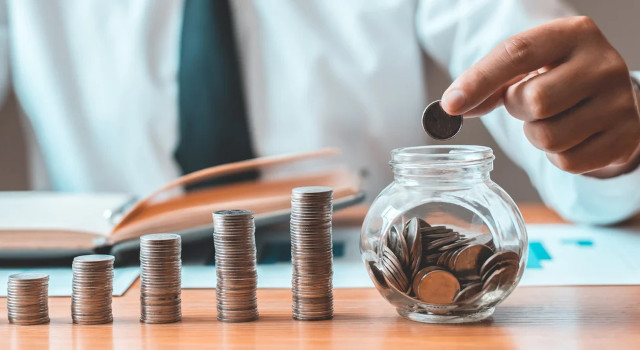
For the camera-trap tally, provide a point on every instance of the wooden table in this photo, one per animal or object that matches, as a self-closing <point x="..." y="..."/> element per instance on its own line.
<point x="532" y="317"/>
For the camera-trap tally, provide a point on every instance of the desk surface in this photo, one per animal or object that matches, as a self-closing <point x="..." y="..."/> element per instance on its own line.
<point x="532" y="317"/>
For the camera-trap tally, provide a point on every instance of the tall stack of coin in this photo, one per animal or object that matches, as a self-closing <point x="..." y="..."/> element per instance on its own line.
<point x="92" y="289"/>
<point x="160" y="284"/>
<point x="27" y="298"/>
<point x="235" y="247"/>
<point x="311" y="253"/>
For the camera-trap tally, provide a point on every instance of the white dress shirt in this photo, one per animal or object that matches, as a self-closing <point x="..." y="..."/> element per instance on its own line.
<point x="98" y="82"/>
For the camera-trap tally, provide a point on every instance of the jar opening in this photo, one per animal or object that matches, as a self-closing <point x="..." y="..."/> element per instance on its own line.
<point x="441" y="156"/>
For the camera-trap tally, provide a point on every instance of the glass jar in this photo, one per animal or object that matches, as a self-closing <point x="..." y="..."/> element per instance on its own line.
<point x="443" y="243"/>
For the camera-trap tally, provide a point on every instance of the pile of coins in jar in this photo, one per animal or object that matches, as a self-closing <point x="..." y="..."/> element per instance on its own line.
<point x="439" y="266"/>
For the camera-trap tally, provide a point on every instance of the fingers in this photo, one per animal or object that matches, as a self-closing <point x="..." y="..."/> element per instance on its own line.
<point x="550" y="93"/>
<point x="613" y="127"/>
<point x="597" y="152"/>
<point x="569" y="86"/>
<point x="568" y="129"/>
<point x="520" y="54"/>
<point x="577" y="125"/>
<point x="493" y="101"/>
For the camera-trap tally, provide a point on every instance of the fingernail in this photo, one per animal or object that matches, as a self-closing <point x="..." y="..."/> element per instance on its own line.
<point x="453" y="101"/>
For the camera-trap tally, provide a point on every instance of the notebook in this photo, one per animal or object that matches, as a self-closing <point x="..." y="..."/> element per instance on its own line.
<point x="65" y="223"/>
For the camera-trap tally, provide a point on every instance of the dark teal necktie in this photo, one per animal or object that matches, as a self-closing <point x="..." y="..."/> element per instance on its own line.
<point x="213" y="122"/>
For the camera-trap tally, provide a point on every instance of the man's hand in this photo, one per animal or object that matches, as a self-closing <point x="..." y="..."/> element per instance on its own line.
<point x="571" y="88"/>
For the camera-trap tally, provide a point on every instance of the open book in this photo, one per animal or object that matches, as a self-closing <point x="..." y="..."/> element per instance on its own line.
<point x="64" y="221"/>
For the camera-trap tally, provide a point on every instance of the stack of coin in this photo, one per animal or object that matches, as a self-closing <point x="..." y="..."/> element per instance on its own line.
<point x="235" y="247"/>
<point x="311" y="253"/>
<point x="27" y="301"/>
<point x="160" y="284"/>
<point x="450" y="269"/>
<point x="92" y="289"/>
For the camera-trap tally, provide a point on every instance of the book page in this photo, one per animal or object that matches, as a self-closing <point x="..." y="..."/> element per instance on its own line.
<point x="52" y="211"/>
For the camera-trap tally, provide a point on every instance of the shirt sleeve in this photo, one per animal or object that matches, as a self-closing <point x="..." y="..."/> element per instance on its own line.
<point x="457" y="34"/>
<point x="636" y="76"/>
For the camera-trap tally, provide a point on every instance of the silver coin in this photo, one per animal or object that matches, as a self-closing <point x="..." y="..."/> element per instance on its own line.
<point x="160" y="281"/>
<point x="311" y="253"/>
<point x="92" y="289"/>
<point x="234" y="243"/>
<point x="438" y="124"/>
<point x="27" y="298"/>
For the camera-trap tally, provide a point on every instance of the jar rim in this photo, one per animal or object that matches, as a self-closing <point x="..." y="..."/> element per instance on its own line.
<point x="440" y="155"/>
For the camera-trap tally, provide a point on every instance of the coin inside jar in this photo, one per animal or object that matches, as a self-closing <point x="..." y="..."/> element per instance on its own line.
<point x="470" y="259"/>
<point x="438" y="287"/>
<point x="439" y="124"/>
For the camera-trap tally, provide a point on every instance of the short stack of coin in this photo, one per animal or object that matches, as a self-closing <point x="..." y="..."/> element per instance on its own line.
<point x="311" y="253"/>
<point x="450" y="269"/>
<point x="235" y="247"/>
<point x="27" y="298"/>
<point x="160" y="283"/>
<point x="92" y="289"/>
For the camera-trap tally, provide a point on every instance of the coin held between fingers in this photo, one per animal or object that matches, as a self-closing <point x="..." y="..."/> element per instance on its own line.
<point x="438" y="124"/>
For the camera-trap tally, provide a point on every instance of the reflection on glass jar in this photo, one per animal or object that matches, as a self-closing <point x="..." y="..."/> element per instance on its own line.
<point x="443" y="243"/>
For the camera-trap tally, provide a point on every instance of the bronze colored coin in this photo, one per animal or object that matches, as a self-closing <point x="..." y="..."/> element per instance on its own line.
<point x="433" y="245"/>
<point x="497" y="266"/>
<point x="389" y="275"/>
<point x="498" y="257"/>
<point x="398" y="245"/>
<point x="377" y="276"/>
<point x="435" y="231"/>
<point x="458" y="244"/>
<point x="395" y="267"/>
<point x="431" y="259"/>
<point x="404" y="248"/>
<point x="469" y="293"/>
<point x="401" y="277"/>
<point x="484" y="239"/>
<point x="470" y="279"/>
<point x="394" y="278"/>
<point x="451" y="259"/>
<point x="420" y="274"/>
<point x="438" y="287"/>
<point x="393" y="241"/>
<point x="443" y="260"/>
<point x="422" y="224"/>
<point x="499" y="278"/>
<point x="470" y="259"/>
<point x="411" y="235"/>
<point x="438" y="124"/>
<point x="414" y="242"/>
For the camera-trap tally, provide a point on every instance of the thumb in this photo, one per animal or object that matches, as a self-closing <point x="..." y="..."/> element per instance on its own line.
<point x="492" y="102"/>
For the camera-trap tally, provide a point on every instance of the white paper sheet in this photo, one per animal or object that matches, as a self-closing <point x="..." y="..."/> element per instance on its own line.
<point x="559" y="255"/>
<point x="60" y="280"/>
<point x="563" y="255"/>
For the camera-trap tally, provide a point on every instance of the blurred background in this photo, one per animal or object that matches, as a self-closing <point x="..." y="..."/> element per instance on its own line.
<point x="618" y="19"/>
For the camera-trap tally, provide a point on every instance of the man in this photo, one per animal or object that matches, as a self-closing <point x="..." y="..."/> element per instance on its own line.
<point x="125" y="95"/>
